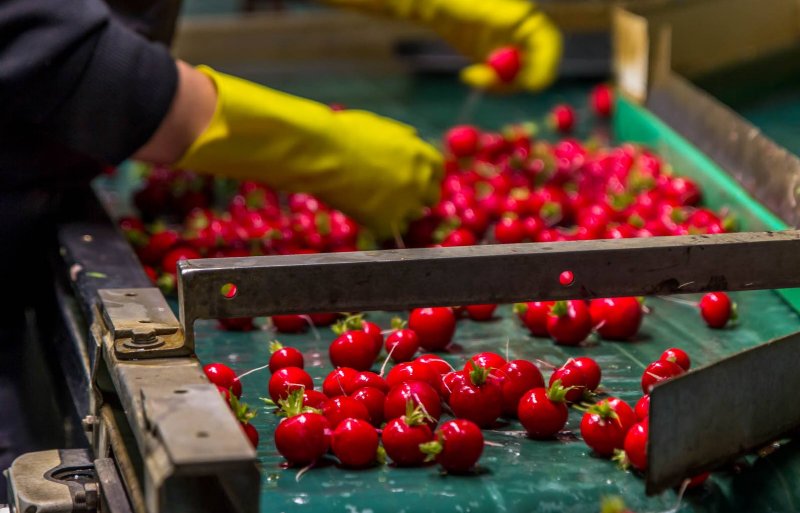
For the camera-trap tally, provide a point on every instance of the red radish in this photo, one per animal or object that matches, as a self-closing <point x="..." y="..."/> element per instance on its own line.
<point x="251" y="432"/>
<point x="679" y="356"/>
<point x="572" y="379"/>
<point x="481" y="312"/>
<point x="509" y="230"/>
<point x="457" y="447"/>
<point x="682" y="190"/>
<point x="480" y="399"/>
<point x="462" y="141"/>
<point x="436" y="362"/>
<point x="506" y="63"/>
<point x="373" y="400"/>
<point x="158" y="246"/>
<point x="342" y="407"/>
<point x="534" y="316"/>
<point x="562" y="118"/>
<point x="717" y="309"/>
<point x="459" y="237"/>
<point x="624" y="412"/>
<point x="151" y="273"/>
<point x="223" y="376"/>
<point x="283" y="357"/>
<point x="354" y="349"/>
<point x="420" y="394"/>
<point x="434" y="327"/>
<point x="357" y="323"/>
<point x="170" y="261"/>
<point x="339" y="381"/>
<point x="289" y="323"/>
<point x="602" y="99"/>
<point x="402" y="437"/>
<point x="237" y="324"/>
<point x="412" y="371"/>
<point x="603" y="429"/>
<point x="569" y="322"/>
<point x="657" y="372"/>
<point x="533" y="227"/>
<point x="635" y="445"/>
<point x="314" y="398"/>
<point x="323" y="319"/>
<point x="543" y="411"/>
<point x="450" y="381"/>
<point x="616" y="318"/>
<point x="518" y="377"/>
<point x="590" y="370"/>
<point x="244" y="414"/>
<point x="355" y="443"/>
<point x="697" y="480"/>
<point x="642" y="408"/>
<point x="365" y="379"/>
<point x="303" y="438"/>
<point x="225" y="393"/>
<point x="401" y="343"/>
<point x="286" y="380"/>
<point x="485" y="359"/>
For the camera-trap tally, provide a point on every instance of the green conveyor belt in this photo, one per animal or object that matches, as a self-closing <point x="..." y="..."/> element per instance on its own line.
<point x="521" y="475"/>
<point x="517" y="474"/>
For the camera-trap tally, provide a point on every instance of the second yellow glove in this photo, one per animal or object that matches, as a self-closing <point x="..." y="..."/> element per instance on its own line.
<point x="478" y="27"/>
<point x="373" y="168"/>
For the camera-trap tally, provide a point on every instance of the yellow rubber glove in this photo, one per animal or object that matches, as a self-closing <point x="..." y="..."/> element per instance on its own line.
<point x="373" y="168"/>
<point x="478" y="27"/>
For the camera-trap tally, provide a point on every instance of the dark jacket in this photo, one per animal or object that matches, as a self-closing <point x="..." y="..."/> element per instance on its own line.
<point x="80" y="86"/>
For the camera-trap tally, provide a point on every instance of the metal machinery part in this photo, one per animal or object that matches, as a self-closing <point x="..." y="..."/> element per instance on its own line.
<point x="395" y="280"/>
<point x="65" y="481"/>
<point x="161" y="437"/>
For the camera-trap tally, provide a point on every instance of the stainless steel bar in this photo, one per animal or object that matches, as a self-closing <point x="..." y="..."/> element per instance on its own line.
<point x="716" y="413"/>
<point x="766" y="170"/>
<point x="399" y="279"/>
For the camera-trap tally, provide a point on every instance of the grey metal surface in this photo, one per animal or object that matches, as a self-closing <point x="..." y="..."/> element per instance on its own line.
<point x="30" y="488"/>
<point x="188" y="420"/>
<point x="711" y="415"/>
<point x="142" y="323"/>
<point x="401" y="279"/>
<point x="112" y="493"/>
<point x="166" y="403"/>
<point x="769" y="172"/>
<point x="110" y="442"/>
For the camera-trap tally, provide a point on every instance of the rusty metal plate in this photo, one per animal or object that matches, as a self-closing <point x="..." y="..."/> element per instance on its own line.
<point x="141" y="323"/>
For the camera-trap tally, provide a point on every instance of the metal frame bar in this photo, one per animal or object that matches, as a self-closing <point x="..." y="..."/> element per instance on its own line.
<point x="712" y="415"/>
<point x="401" y="279"/>
<point x="769" y="172"/>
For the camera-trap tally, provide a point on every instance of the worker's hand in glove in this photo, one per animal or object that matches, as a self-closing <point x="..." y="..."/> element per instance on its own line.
<point x="476" y="28"/>
<point x="373" y="168"/>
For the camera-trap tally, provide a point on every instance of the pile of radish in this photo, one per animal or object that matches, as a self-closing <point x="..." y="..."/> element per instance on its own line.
<point x="363" y="416"/>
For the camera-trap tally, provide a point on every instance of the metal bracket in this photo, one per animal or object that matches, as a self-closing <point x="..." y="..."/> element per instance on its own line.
<point x="399" y="279"/>
<point x="54" y="481"/>
<point x="142" y="324"/>
<point x="714" y="414"/>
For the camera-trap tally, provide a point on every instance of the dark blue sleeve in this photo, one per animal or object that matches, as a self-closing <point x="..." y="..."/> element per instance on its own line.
<point x="71" y="71"/>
